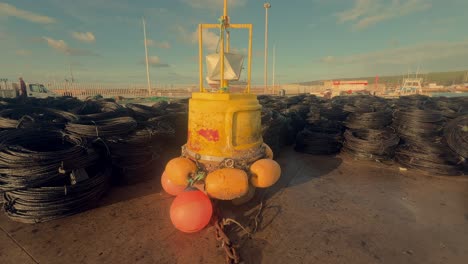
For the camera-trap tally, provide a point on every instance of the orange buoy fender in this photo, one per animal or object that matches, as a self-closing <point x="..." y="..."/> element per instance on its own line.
<point x="191" y="211"/>
<point x="227" y="183"/>
<point x="265" y="173"/>
<point x="179" y="170"/>
<point x="169" y="187"/>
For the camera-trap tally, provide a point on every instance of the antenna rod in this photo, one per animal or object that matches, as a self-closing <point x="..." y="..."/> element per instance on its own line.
<point x="225" y="13"/>
<point x="146" y="53"/>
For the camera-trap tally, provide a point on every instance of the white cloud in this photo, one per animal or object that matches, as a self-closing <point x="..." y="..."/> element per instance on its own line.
<point x="23" y="52"/>
<point x="62" y="46"/>
<point x="8" y="10"/>
<point x="164" y="45"/>
<point x="155" y="61"/>
<point x="214" y="4"/>
<point x="87" y="37"/>
<point x="210" y="39"/>
<point x="328" y="59"/>
<point x="366" y="13"/>
<point x="59" y="45"/>
<point x="420" y="53"/>
<point x="161" y="45"/>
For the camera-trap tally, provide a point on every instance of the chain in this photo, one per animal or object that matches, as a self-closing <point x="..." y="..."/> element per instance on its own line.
<point x="232" y="257"/>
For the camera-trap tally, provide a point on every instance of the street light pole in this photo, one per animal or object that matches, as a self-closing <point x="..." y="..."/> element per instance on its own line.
<point x="266" y="6"/>
<point x="146" y="53"/>
<point x="274" y="67"/>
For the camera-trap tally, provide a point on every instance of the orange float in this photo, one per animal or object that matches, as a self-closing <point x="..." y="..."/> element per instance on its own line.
<point x="265" y="173"/>
<point x="227" y="183"/>
<point x="191" y="211"/>
<point x="179" y="170"/>
<point x="169" y="187"/>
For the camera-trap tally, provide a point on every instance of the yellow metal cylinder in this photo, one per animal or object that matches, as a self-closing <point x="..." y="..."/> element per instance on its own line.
<point x="223" y="125"/>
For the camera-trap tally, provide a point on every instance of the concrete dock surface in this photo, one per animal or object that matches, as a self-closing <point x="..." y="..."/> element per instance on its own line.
<point x="324" y="209"/>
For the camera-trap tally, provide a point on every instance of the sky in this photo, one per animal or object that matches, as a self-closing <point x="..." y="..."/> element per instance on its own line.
<point x="102" y="40"/>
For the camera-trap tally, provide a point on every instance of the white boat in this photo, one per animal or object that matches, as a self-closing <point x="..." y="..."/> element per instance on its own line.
<point x="411" y="86"/>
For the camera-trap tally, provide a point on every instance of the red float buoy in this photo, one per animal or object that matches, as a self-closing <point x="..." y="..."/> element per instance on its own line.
<point x="170" y="187"/>
<point x="191" y="211"/>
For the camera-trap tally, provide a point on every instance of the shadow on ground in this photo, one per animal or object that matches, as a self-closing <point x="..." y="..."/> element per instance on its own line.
<point x="134" y="185"/>
<point x="297" y="169"/>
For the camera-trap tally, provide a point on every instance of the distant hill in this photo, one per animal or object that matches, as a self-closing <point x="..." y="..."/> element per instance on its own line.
<point x="441" y="78"/>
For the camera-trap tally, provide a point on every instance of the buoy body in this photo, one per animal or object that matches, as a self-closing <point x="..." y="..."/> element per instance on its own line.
<point x="223" y="125"/>
<point x="191" y="211"/>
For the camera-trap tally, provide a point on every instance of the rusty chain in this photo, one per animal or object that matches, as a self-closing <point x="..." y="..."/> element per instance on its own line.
<point x="230" y="249"/>
<point x="232" y="256"/>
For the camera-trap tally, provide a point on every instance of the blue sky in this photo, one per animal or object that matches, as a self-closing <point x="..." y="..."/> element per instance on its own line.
<point x="316" y="39"/>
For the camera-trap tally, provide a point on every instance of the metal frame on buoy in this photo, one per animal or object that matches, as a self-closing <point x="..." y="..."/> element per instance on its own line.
<point x="224" y="45"/>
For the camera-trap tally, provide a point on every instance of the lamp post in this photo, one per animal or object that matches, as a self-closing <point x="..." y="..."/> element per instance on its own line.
<point x="274" y="68"/>
<point x="146" y="56"/>
<point x="266" y="6"/>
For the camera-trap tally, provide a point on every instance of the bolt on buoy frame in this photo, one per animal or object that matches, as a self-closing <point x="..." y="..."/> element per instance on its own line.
<point x="224" y="25"/>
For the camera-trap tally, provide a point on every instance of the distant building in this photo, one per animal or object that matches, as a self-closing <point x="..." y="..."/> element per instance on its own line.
<point x="434" y="86"/>
<point x="344" y="86"/>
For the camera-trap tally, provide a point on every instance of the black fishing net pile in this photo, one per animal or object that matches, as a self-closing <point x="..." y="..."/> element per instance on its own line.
<point x="47" y="174"/>
<point x="58" y="156"/>
<point x="417" y="131"/>
<point x="456" y="135"/>
<point x="452" y="108"/>
<point x="274" y="129"/>
<point x="297" y="114"/>
<point x="282" y="119"/>
<point x="136" y="156"/>
<point x="323" y="133"/>
<point x="369" y="135"/>
<point x="175" y="113"/>
<point x="420" y="124"/>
